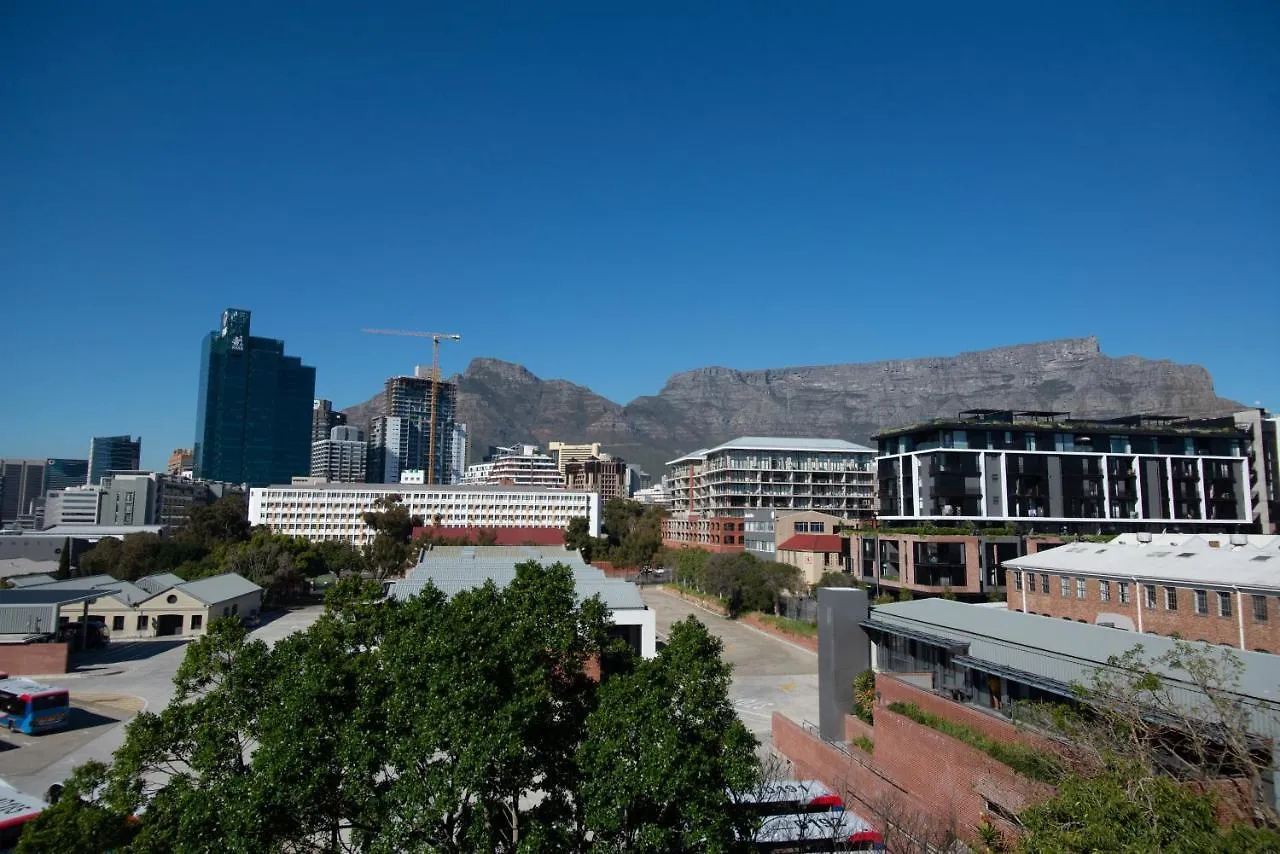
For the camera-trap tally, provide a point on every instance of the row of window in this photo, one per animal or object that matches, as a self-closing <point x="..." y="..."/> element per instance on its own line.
<point x="1150" y="593"/>
<point x="811" y="527"/>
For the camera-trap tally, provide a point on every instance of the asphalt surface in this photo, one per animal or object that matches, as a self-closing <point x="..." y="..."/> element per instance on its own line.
<point x="107" y="689"/>
<point x="769" y="674"/>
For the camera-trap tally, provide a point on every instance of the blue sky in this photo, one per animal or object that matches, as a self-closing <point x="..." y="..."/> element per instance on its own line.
<point x="614" y="192"/>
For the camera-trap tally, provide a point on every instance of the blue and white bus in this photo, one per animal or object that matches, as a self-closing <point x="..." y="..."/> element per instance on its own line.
<point x="33" y="708"/>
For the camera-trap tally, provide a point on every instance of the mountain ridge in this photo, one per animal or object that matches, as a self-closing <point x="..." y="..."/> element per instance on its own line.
<point x="504" y="403"/>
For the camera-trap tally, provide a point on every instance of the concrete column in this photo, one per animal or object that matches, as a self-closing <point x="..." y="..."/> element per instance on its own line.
<point x="844" y="651"/>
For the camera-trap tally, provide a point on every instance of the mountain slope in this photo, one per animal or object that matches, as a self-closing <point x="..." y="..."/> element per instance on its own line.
<point x="503" y="403"/>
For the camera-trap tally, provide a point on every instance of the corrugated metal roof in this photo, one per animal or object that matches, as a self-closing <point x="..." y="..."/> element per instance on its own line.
<point x="27" y="619"/>
<point x="159" y="581"/>
<point x="43" y="595"/>
<point x="1248" y="568"/>
<point x="17" y="567"/>
<point x="31" y="580"/>
<point x="1068" y="652"/>
<point x="219" y="588"/>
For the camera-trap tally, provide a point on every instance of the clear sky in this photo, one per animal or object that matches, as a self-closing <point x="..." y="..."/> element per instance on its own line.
<point x="613" y="192"/>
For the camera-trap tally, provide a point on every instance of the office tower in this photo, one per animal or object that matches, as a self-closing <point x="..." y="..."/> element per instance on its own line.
<point x="324" y="418"/>
<point x="341" y="458"/>
<point x="181" y="462"/>
<point x="75" y="505"/>
<point x="567" y="452"/>
<point x="23" y="484"/>
<point x="60" y="473"/>
<point x="113" y="453"/>
<point x="406" y="443"/>
<point x="253" y="418"/>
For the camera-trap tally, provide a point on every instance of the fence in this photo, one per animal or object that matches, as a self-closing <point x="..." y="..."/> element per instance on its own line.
<point x="799" y="608"/>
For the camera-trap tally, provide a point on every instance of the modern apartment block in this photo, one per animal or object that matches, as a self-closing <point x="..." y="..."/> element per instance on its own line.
<point x="461" y="451"/>
<point x="722" y="485"/>
<point x="517" y="465"/>
<point x="253" y="417"/>
<point x="1222" y="589"/>
<point x="1047" y="472"/>
<point x="607" y="477"/>
<point x="1264" y="466"/>
<point x="402" y="438"/>
<point x="341" y="457"/>
<point x="324" y="418"/>
<point x="334" y="511"/>
<point x="113" y="453"/>
<point x="181" y="463"/>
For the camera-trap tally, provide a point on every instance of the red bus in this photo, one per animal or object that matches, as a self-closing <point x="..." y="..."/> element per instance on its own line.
<point x="16" y="809"/>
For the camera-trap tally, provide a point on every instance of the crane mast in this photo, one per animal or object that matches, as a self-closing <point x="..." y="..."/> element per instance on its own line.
<point x="436" y="338"/>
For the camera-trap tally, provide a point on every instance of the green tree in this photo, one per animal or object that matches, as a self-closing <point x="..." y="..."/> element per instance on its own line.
<point x="390" y="550"/>
<point x="76" y="822"/>
<point x="222" y="522"/>
<point x="268" y="561"/>
<point x="837" y="579"/>
<point x="670" y="724"/>
<point x="103" y="558"/>
<point x="577" y="537"/>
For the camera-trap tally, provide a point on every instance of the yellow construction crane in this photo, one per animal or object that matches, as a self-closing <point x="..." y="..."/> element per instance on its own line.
<point x="436" y="338"/>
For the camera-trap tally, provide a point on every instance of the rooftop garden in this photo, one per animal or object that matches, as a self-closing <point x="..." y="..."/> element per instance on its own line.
<point x="1025" y="760"/>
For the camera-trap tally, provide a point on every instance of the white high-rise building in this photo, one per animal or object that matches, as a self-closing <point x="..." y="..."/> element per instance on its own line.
<point x="342" y="457"/>
<point x="518" y="465"/>
<point x="461" y="445"/>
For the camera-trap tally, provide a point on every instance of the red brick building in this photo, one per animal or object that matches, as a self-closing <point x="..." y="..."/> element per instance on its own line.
<point x="1195" y="591"/>
<point x="719" y="534"/>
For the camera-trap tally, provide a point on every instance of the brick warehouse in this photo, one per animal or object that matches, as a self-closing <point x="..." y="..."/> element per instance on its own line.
<point x="1195" y="587"/>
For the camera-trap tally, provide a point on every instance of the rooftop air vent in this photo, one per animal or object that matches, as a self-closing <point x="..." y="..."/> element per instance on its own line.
<point x="1144" y="537"/>
<point x="1239" y="539"/>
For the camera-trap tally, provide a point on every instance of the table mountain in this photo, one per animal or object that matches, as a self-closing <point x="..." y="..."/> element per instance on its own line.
<point x="503" y="403"/>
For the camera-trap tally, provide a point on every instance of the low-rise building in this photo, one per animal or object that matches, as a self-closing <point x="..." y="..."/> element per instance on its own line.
<point x="452" y="569"/>
<point x="335" y="511"/>
<point x="1219" y="593"/>
<point x="813" y="554"/>
<point x="75" y="505"/>
<point x="925" y="562"/>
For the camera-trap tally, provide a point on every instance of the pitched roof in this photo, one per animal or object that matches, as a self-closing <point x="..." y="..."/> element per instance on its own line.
<point x="47" y="594"/>
<point x="159" y="581"/>
<point x="514" y="536"/>
<point x="1248" y="568"/>
<point x="813" y="543"/>
<point x="31" y="580"/>
<point x="16" y="567"/>
<point x="219" y="588"/>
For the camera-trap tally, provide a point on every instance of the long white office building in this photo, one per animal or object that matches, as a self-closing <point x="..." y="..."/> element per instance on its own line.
<point x="333" y="511"/>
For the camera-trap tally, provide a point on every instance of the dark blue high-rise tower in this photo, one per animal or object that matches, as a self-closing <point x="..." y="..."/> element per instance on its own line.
<point x="253" y="417"/>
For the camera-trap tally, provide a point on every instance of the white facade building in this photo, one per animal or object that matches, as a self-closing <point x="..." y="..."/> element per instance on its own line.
<point x="518" y="465"/>
<point x="656" y="495"/>
<point x="342" y="457"/>
<point x="333" y="511"/>
<point x="75" y="505"/>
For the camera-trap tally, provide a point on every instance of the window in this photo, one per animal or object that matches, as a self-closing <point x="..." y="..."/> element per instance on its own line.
<point x="1044" y="582"/>
<point x="802" y="527"/>
<point x="1080" y="588"/>
<point x="197" y="621"/>
<point x="171" y="599"/>
<point x="117" y="623"/>
<point x="142" y="622"/>
<point x="817" y="527"/>
<point x="1260" y="608"/>
<point x="1017" y="582"/>
<point x="1149" y="595"/>
<point x="1224" y="604"/>
<point x="1064" y="585"/>
<point x="1202" y="602"/>
<point x="1171" y="598"/>
<point x="1104" y="591"/>
<point x="1122" y="587"/>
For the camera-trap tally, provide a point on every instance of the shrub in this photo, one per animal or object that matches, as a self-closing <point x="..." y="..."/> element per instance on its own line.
<point x="864" y="696"/>
<point x="1024" y="760"/>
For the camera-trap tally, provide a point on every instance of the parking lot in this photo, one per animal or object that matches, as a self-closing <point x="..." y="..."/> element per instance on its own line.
<point x="108" y="687"/>
<point x="769" y="674"/>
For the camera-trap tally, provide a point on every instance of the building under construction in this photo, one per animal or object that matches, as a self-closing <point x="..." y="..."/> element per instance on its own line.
<point x="411" y="436"/>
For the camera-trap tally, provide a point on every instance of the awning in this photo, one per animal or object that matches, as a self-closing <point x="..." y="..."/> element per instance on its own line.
<point x="1035" y="680"/>
<point x="924" y="637"/>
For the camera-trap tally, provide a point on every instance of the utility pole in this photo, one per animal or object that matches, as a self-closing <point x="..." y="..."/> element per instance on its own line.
<point x="436" y="338"/>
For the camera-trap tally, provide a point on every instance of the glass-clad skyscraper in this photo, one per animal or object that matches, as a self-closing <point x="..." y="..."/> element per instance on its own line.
<point x="253" y="416"/>
<point x="113" y="453"/>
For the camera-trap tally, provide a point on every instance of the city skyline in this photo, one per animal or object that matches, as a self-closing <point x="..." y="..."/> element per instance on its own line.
<point x="1032" y="173"/>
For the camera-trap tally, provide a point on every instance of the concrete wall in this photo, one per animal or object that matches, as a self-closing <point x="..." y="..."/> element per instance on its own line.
<point x="33" y="659"/>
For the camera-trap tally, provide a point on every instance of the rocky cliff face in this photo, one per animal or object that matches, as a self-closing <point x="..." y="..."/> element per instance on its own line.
<point x="503" y="403"/>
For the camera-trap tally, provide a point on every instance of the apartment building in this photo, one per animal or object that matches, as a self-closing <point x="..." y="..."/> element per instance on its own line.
<point x="341" y="457"/>
<point x="607" y="477"/>
<point x="334" y="511"/>
<point x="1264" y="466"/>
<point x="1222" y="590"/>
<point x="517" y="465"/>
<point x="181" y="463"/>
<point x="754" y="473"/>
<point x="417" y="414"/>
<point x="1045" y="471"/>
